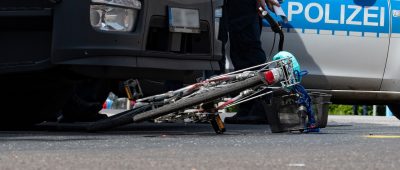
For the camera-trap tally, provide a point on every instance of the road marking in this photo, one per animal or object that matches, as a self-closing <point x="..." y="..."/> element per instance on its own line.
<point x="383" y="136"/>
<point x="297" y="165"/>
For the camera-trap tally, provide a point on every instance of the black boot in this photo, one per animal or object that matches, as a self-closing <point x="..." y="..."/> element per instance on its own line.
<point x="249" y="113"/>
<point x="80" y="110"/>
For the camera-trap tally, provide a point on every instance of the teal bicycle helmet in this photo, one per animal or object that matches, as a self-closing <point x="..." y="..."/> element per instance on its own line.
<point x="285" y="54"/>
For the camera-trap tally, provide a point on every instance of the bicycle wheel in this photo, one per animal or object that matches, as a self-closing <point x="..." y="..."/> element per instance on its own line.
<point x="116" y="120"/>
<point x="197" y="99"/>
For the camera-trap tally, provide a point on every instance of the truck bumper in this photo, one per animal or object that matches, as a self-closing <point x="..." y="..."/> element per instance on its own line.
<point x="148" y="46"/>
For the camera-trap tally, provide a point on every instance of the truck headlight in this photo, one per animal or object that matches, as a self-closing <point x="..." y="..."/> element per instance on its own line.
<point x="114" y="15"/>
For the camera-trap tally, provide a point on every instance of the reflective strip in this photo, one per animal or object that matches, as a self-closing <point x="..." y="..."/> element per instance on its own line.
<point x="340" y="33"/>
<point x="325" y="32"/>
<point x="370" y="34"/>
<point x="383" y="35"/>
<point x="299" y="30"/>
<point x="352" y="33"/>
<point x="333" y="32"/>
<point x="310" y="31"/>
<point x="395" y="35"/>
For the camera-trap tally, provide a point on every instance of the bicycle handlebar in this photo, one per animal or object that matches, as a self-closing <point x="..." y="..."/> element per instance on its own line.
<point x="274" y="25"/>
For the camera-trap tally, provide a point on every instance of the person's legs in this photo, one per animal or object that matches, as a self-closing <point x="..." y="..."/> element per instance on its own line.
<point x="251" y="112"/>
<point x="86" y="101"/>
<point x="246" y="51"/>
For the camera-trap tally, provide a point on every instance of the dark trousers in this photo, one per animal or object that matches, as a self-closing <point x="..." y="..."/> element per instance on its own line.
<point x="245" y="47"/>
<point x="245" y="43"/>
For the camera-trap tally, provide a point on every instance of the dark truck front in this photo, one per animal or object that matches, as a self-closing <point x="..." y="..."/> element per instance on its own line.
<point x="46" y="43"/>
<point x="117" y="38"/>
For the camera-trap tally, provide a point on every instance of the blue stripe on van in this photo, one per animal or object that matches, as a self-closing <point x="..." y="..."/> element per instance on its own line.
<point x="364" y="16"/>
<point x="395" y="16"/>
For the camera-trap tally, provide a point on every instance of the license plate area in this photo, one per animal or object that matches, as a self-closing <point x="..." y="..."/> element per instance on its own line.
<point x="184" y="20"/>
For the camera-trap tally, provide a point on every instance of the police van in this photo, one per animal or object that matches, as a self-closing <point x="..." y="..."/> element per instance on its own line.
<point x="350" y="48"/>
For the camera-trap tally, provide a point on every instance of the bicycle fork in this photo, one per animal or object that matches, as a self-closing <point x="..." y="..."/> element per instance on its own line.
<point x="269" y="77"/>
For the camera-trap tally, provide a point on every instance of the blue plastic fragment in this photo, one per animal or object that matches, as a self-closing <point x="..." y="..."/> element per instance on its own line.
<point x="305" y="100"/>
<point x="310" y="130"/>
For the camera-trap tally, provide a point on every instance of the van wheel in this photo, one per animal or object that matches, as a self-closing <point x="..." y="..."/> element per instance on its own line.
<point x="395" y="108"/>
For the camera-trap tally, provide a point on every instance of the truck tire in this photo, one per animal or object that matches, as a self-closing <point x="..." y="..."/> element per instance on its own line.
<point x="32" y="98"/>
<point x="86" y="101"/>
<point x="395" y="108"/>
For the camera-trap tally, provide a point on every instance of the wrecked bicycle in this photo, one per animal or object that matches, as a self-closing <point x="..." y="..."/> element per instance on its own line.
<point x="203" y="98"/>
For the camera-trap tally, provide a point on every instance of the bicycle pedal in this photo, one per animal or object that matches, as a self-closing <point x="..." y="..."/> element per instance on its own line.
<point x="217" y="123"/>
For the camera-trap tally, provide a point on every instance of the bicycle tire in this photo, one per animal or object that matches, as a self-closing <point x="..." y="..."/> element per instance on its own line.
<point x="197" y="99"/>
<point x="116" y="120"/>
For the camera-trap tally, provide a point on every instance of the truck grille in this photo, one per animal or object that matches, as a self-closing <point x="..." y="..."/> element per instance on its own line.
<point x="17" y="5"/>
<point x="159" y="38"/>
<point x="29" y="15"/>
<point x="26" y="31"/>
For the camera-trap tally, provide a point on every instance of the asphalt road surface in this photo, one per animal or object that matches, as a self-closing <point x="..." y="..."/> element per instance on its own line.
<point x="349" y="142"/>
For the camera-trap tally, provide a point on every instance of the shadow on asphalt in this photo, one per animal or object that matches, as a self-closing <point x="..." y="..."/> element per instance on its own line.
<point x="146" y="129"/>
<point x="151" y="130"/>
<point x="30" y="138"/>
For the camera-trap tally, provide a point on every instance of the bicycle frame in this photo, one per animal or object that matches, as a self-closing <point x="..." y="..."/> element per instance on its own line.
<point x="282" y="73"/>
<point x="278" y="73"/>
